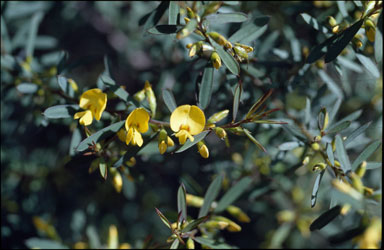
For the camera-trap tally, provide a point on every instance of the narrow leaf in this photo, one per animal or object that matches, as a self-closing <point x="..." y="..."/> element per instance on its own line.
<point x="343" y="39"/>
<point x="99" y="135"/>
<point x="189" y="144"/>
<point x="182" y="202"/>
<point x="356" y="133"/>
<point x="163" y="218"/>
<point x="210" y="195"/>
<point x="250" y="31"/>
<point x="61" y="111"/>
<point x="319" y="50"/>
<point x="342" y="155"/>
<point x="259" y="102"/>
<point x="34" y="25"/>
<point x="325" y="218"/>
<point x="233" y="193"/>
<point x="369" y="65"/>
<point x="236" y="100"/>
<point x="316" y="187"/>
<point x="165" y="29"/>
<point x="330" y="83"/>
<point x="338" y="127"/>
<point x="313" y="22"/>
<point x="103" y="169"/>
<point x="169" y="99"/>
<point x="367" y="152"/>
<point x="220" y="18"/>
<point x="287" y="146"/>
<point x="27" y="88"/>
<point x="173" y="12"/>
<point x="206" y="87"/>
<point x="373" y="165"/>
<point x="253" y="139"/>
<point x="193" y="224"/>
<point x="37" y="243"/>
<point x="175" y="244"/>
<point x="330" y="154"/>
<point x="378" y="46"/>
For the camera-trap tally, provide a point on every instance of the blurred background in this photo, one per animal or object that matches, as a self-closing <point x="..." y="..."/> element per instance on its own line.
<point x="47" y="191"/>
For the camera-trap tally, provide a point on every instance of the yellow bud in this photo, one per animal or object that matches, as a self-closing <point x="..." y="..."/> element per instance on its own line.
<point x="194" y="201"/>
<point x="356" y="182"/>
<point x="319" y="167"/>
<point x="73" y="84"/>
<point x="238" y="214"/>
<point x="306" y="160"/>
<point x="203" y="149"/>
<point x="151" y="98"/>
<point x="118" y="181"/>
<point x="113" y="240"/>
<point x="189" y="45"/>
<point x="247" y="48"/>
<point x="218" y="38"/>
<point x="286" y="216"/>
<point x="212" y="225"/>
<point x="368" y="191"/>
<point x="317" y="138"/>
<point x="331" y="21"/>
<point x="370" y="29"/>
<point x="315" y="146"/>
<point x="170" y="142"/>
<point x="125" y="246"/>
<point x="220" y="132"/>
<point x="190" y="13"/>
<point x="360" y="171"/>
<point x="346" y="188"/>
<point x="232" y="226"/>
<point x="345" y="209"/>
<point x="212" y="7"/>
<point x="192" y="50"/>
<point x="357" y="42"/>
<point x="190" y="244"/>
<point x="186" y="19"/>
<point x="80" y="245"/>
<point x="139" y="96"/>
<point x="162" y="147"/>
<point x="216" y="117"/>
<point x="305" y="51"/>
<point x="228" y="45"/>
<point x="215" y="59"/>
<point x="236" y="130"/>
<point x="336" y="29"/>
<point x="131" y="162"/>
<point x="320" y="64"/>
<point x="240" y="53"/>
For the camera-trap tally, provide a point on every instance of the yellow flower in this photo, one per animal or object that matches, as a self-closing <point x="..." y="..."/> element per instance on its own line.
<point x="187" y="120"/>
<point x="94" y="102"/>
<point x="136" y="123"/>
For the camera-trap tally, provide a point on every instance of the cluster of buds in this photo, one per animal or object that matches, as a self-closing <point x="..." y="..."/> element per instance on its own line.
<point x="164" y="141"/>
<point x="147" y="91"/>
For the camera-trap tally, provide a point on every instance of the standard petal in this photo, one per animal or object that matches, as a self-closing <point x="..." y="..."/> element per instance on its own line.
<point x="100" y="106"/>
<point x="196" y="120"/>
<point x="90" y="97"/>
<point x="179" y="117"/>
<point x="142" y="119"/>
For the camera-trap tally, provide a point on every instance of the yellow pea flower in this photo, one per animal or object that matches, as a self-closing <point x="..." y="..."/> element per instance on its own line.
<point x="94" y="101"/>
<point x="136" y="123"/>
<point x="187" y="120"/>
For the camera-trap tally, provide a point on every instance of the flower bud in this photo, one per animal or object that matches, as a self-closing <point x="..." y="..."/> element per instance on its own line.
<point x="216" y="117"/>
<point x="139" y="96"/>
<point x="162" y="147"/>
<point x="73" y="84"/>
<point x="113" y="240"/>
<point x="190" y="13"/>
<point x="240" y="53"/>
<point x="236" y="130"/>
<point x="345" y="209"/>
<point x="285" y="216"/>
<point x="203" y="149"/>
<point x="186" y="19"/>
<point x="232" y="226"/>
<point x="194" y="201"/>
<point x="315" y="146"/>
<point x="220" y="132"/>
<point x="331" y="21"/>
<point x="248" y="49"/>
<point x="360" y="171"/>
<point x="218" y="38"/>
<point x="319" y="167"/>
<point x="356" y="41"/>
<point x="370" y="29"/>
<point x="215" y="59"/>
<point x="356" y="182"/>
<point x="151" y="98"/>
<point x="213" y="225"/>
<point x="170" y="142"/>
<point x="190" y="244"/>
<point x="117" y="181"/>
<point x="162" y="141"/>
<point x="238" y="214"/>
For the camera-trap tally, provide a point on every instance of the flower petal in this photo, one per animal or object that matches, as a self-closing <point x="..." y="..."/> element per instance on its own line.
<point x="196" y="120"/>
<point x="94" y="100"/>
<point x="179" y="117"/>
<point x="87" y="118"/>
<point x="129" y="136"/>
<point x="137" y="138"/>
<point x="138" y="118"/>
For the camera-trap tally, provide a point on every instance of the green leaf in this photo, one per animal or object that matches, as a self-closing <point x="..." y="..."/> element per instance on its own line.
<point x="236" y="100"/>
<point x="75" y="140"/>
<point x="173" y="12"/>
<point x="189" y="144"/>
<point x="191" y="25"/>
<point x="27" y="88"/>
<point x="165" y="29"/>
<point x="34" y="25"/>
<point x="330" y="155"/>
<point x="367" y="152"/>
<point x="280" y="235"/>
<point x="61" y="111"/>
<point x="233" y="193"/>
<point x="337" y="127"/>
<point x="342" y="155"/>
<point x="373" y="165"/>
<point x="205" y="91"/>
<point x="258" y="103"/>
<point x="210" y="195"/>
<point x="37" y="243"/>
<point x="356" y="133"/>
<point x="220" y="18"/>
<point x="253" y="139"/>
<point x="342" y="41"/>
<point x="212" y="244"/>
<point x="193" y="224"/>
<point x="287" y="146"/>
<point x="118" y="90"/>
<point x="369" y="65"/>
<point x="325" y="218"/>
<point x="249" y="32"/>
<point x="164" y="219"/>
<point x="169" y="99"/>
<point x="346" y="235"/>
<point x="154" y="17"/>
<point x="65" y="86"/>
<point x="316" y="187"/>
<point x="99" y="135"/>
<point x="378" y="46"/>
<point x="319" y="50"/>
<point x="107" y="79"/>
<point x="330" y="83"/>
<point x="103" y="168"/>
<point x="175" y="244"/>
<point x="342" y="8"/>
<point x="227" y="59"/>
<point x="182" y="202"/>
<point x="313" y="22"/>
